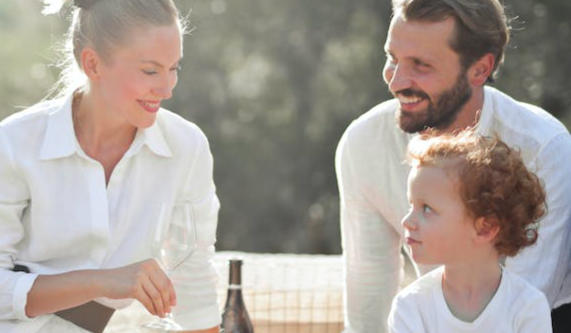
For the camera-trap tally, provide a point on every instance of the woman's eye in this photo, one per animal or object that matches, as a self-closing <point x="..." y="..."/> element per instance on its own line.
<point x="149" y="72"/>
<point x="426" y="209"/>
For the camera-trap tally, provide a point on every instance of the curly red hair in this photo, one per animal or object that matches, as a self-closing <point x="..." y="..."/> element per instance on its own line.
<point x="493" y="182"/>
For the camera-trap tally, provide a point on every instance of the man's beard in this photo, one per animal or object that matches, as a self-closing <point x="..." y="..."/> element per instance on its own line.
<point x="439" y="114"/>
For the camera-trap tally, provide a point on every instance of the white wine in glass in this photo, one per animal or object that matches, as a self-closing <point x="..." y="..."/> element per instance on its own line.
<point x="174" y="240"/>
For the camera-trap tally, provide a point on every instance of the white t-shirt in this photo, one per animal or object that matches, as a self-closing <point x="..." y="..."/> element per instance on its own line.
<point x="517" y="307"/>
<point x="372" y="175"/>
<point x="58" y="215"/>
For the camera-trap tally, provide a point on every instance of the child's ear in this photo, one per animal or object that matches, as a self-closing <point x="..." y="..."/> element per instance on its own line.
<point x="486" y="229"/>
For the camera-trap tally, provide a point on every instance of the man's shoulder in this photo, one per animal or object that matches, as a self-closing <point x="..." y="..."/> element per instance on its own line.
<point x="376" y="125"/>
<point x="380" y="115"/>
<point x="514" y="120"/>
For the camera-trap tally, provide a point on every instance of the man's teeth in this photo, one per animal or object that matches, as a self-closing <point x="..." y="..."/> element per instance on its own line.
<point x="409" y="100"/>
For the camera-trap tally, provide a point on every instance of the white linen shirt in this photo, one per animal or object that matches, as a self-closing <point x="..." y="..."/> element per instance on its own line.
<point x="58" y="215"/>
<point x="372" y="176"/>
<point x="516" y="307"/>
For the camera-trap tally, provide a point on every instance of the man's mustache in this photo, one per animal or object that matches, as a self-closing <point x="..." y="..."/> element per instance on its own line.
<point x="412" y="93"/>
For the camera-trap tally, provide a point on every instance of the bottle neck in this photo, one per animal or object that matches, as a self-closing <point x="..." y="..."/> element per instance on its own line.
<point x="235" y="284"/>
<point x="235" y="280"/>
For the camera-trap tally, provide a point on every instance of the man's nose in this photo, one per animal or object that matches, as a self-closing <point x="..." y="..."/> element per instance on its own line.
<point x="399" y="78"/>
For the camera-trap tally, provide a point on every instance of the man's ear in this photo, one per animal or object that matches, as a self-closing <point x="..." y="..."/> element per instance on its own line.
<point x="90" y="63"/>
<point x="486" y="229"/>
<point x="481" y="70"/>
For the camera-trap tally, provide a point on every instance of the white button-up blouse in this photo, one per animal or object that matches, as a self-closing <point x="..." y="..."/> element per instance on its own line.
<point x="58" y="215"/>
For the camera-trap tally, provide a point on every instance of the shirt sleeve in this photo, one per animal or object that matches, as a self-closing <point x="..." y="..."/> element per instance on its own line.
<point x="551" y="252"/>
<point x="196" y="279"/>
<point x="14" y="198"/>
<point x="371" y="251"/>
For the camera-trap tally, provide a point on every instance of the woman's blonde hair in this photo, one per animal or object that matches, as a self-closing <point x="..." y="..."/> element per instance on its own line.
<point x="493" y="182"/>
<point x="105" y="25"/>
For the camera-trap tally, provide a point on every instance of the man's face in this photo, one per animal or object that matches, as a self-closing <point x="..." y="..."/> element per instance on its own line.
<point x="424" y="74"/>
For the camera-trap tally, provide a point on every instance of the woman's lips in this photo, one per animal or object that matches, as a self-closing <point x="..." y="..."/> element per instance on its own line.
<point x="150" y="106"/>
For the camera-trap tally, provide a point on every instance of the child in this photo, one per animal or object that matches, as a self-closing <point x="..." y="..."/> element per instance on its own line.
<point x="472" y="202"/>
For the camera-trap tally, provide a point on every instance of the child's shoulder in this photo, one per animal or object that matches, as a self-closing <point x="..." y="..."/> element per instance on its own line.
<point x="526" y="305"/>
<point x="520" y="289"/>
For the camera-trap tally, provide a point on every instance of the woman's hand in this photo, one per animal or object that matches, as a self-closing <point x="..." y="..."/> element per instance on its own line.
<point x="144" y="281"/>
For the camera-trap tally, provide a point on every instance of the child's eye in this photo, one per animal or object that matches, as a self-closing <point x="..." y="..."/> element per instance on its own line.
<point x="426" y="209"/>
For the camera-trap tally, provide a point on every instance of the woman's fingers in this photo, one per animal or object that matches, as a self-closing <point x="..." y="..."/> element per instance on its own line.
<point x="146" y="282"/>
<point x="173" y="295"/>
<point x="165" y="289"/>
<point x="144" y="299"/>
<point x="156" y="297"/>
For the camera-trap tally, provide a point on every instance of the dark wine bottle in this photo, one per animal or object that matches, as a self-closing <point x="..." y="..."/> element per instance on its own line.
<point x="235" y="318"/>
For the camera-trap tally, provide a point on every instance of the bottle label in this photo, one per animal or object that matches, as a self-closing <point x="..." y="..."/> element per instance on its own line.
<point x="234" y="287"/>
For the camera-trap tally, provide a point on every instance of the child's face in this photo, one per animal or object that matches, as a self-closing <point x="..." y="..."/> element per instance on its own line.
<point x="437" y="228"/>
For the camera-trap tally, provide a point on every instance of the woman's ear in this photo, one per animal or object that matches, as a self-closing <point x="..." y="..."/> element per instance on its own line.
<point x="486" y="229"/>
<point x="90" y="63"/>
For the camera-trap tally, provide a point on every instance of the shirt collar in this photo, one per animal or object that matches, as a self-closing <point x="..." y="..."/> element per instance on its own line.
<point x="486" y="114"/>
<point x="153" y="138"/>
<point x="60" y="140"/>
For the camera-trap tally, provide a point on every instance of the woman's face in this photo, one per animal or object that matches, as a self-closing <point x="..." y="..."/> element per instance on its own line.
<point x="140" y="75"/>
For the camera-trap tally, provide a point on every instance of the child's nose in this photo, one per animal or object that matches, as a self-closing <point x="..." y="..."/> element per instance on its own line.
<point x="409" y="221"/>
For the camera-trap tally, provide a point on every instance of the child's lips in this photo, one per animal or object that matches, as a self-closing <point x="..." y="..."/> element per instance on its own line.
<point x="411" y="241"/>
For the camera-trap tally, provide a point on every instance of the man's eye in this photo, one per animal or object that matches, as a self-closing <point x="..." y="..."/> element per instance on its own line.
<point x="420" y="63"/>
<point x="426" y="209"/>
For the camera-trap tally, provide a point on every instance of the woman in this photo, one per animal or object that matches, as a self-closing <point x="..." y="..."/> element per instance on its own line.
<point x="83" y="177"/>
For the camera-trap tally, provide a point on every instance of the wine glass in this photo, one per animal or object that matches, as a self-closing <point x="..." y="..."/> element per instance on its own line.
<point x="174" y="241"/>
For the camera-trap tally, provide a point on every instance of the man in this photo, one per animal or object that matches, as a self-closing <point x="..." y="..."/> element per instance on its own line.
<point x="440" y="55"/>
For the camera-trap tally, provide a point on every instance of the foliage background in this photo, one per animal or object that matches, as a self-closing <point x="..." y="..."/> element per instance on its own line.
<point x="273" y="84"/>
